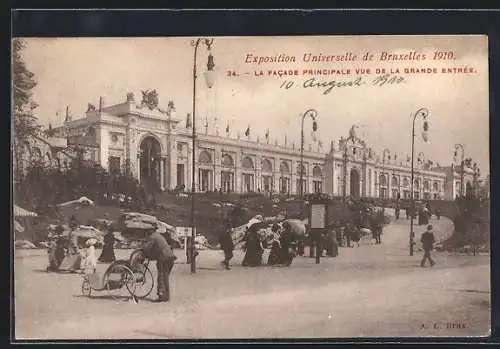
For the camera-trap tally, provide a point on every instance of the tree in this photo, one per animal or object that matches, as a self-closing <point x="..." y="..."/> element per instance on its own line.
<point x="25" y="123"/>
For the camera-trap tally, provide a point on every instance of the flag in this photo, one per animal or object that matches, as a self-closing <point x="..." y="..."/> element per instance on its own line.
<point x="189" y="124"/>
<point x="320" y="144"/>
<point x="247" y="132"/>
<point x="267" y="135"/>
<point x="227" y="128"/>
<point x="285" y="140"/>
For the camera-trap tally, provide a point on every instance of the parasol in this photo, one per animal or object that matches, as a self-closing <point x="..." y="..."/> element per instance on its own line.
<point x="85" y="232"/>
<point x="21" y="212"/>
<point x="84" y="201"/>
<point x="298" y="227"/>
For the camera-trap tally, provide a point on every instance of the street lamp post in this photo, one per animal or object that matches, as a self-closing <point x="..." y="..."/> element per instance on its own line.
<point x="209" y="81"/>
<point x="462" y="154"/>
<point x="312" y="113"/>
<point x="422" y="112"/>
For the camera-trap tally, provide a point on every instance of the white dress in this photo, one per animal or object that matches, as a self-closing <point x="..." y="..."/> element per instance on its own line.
<point x="89" y="262"/>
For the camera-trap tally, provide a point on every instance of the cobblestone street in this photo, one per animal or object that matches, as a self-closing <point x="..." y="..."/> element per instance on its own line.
<point x="371" y="290"/>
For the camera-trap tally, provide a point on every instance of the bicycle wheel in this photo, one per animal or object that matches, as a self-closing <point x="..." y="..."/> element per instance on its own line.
<point x="86" y="288"/>
<point x="144" y="283"/>
<point x="119" y="278"/>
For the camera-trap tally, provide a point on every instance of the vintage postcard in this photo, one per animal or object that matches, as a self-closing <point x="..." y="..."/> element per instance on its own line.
<point x="251" y="187"/>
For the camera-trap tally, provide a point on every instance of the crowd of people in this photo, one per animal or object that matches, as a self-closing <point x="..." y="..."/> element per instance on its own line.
<point x="284" y="242"/>
<point x="66" y="253"/>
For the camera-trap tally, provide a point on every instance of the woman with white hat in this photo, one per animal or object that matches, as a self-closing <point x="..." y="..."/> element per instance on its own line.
<point x="89" y="262"/>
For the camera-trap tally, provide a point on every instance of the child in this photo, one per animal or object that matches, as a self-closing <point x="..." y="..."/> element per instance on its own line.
<point x="89" y="262"/>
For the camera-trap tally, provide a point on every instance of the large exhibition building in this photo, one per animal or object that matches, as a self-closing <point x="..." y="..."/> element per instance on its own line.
<point x="157" y="144"/>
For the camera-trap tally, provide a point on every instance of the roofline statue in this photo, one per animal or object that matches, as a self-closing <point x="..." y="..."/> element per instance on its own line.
<point x="150" y="99"/>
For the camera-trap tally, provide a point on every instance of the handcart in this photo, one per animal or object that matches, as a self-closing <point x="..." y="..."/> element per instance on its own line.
<point x="123" y="278"/>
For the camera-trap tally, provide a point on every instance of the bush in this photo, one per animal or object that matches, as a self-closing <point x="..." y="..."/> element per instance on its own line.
<point x="471" y="225"/>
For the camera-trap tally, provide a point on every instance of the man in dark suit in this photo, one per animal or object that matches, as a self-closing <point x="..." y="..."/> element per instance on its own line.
<point x="227" y="245"/>
<point x="157" y="248"/>
<point x="428" y="241"/>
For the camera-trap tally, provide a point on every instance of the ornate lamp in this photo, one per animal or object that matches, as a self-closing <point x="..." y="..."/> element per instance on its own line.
<point x="210" y="73"/>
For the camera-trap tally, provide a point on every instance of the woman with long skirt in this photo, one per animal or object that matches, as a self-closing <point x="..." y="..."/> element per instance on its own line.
<point x="254" y="250"/>
<point x="287" y="242"/>
<point x="108" y="249"/>
<point x="275" y="247"/>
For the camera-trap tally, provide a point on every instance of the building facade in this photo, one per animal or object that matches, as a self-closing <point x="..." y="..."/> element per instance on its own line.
<point x="42" y="150"/>
<point x="154" y="143"/>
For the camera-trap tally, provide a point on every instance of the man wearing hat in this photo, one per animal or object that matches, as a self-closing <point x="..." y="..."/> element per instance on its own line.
<point x="428" y="241"/>
<point x="158" y="249"/>
<point x="227" y="245"/>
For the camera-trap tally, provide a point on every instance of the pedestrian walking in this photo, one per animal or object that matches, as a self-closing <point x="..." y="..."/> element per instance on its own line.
<point x="428" y="241"/>
<point x="348" y="234"/>
<point x="227" y="245"/>
<point x="157" y="248"/>
<point x="438" y="214"/>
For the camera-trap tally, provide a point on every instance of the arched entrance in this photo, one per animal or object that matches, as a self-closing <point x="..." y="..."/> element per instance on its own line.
<point x="354" y="183"/>
<point x="468" y="189"/>
<point x="150" y="161"/>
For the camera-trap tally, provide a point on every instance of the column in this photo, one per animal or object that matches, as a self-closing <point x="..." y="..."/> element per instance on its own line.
<point x="138" y="167"/>
<point x="276" y="175"/>
<point x="293" y="177"/>
<point x="162" y="174"/>
<point x="172" y="165"/>
<point x="237" y="173"/>
<point x="218" y="169"/>
<point x="389" y="185"/>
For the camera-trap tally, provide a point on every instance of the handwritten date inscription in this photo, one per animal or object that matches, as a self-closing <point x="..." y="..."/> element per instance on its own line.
<point x="329" y="86"/>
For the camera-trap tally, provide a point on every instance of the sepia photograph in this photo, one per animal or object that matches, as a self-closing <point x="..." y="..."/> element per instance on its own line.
<point x="248" y="187"/>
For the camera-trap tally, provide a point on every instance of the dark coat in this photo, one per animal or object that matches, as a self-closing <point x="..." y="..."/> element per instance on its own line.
<point x="226" y="241"/>
<point x="157" y="248"/>
<point x="428" y="240"/>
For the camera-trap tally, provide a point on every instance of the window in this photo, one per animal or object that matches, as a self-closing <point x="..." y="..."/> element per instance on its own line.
<point x="91" y="132"/>
<point x="180" y="175"/>
<point x="304" y="186"/>
<point x="317" y="186"/>
<point x="394" y="181"/>
<point x="435" y="186"/>
<point x="114" y="138"/>
<point x="383" y="192"/>
<point x="179" y="146"/>
<point x="383" y="179"/>
<point x="427" y="185"/>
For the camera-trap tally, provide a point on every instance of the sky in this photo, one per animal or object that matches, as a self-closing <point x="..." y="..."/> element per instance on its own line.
<point x="76" y="71"/>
